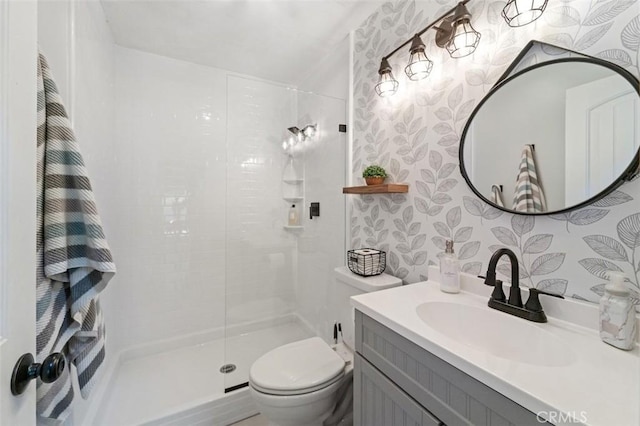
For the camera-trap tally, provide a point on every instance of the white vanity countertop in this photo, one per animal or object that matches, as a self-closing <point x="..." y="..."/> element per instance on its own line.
<point x="599" y="387"/>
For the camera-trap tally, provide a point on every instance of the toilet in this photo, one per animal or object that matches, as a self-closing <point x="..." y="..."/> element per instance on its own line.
<point x="297" y="384"/>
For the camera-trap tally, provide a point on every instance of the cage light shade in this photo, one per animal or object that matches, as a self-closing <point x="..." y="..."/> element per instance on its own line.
<point x="464" y="39"/>
<point x="522" y="12"/>
<point x="419" y="64"/>
<point x="387" y="85"/>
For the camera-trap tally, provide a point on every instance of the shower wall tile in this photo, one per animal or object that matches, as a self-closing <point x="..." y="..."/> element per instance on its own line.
<point x="260" y="253"/>
<point x="201" y="243"/>
<point x="170" y="185"/>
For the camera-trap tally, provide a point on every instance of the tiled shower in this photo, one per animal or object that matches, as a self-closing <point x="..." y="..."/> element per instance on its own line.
<point x="187" y="165"/>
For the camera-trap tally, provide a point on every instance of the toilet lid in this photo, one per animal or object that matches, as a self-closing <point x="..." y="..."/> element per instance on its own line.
<point x="296" y="368"/>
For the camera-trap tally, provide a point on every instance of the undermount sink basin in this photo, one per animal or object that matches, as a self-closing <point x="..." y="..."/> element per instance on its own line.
<point x="498" y="333"/>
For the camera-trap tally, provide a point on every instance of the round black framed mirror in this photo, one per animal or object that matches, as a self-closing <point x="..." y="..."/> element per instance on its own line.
<point x="553" y="137"/>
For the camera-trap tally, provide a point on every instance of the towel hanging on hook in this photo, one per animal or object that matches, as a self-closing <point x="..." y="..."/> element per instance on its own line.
<point x="74" y="261"/>
<point x="496" y="195"/>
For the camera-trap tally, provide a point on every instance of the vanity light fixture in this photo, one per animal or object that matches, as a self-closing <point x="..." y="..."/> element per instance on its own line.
<point x="455" y="34"/>
<point x="522" y="12"/>
<point x="387" y="84"/>
<point x="419" y="64"/>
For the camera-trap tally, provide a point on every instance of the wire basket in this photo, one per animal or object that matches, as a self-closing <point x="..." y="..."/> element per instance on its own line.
<point x="367" y="262"/>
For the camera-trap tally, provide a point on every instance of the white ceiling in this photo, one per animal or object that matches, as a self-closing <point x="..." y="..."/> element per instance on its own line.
<point x="279" y="40"/>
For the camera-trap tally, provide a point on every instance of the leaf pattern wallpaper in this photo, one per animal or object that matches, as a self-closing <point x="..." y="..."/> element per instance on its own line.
<point x="415" y="135"/>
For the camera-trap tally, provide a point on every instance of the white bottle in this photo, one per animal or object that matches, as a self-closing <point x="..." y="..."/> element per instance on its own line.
<point x="293" y="216"/>
<point x="617" y="314"/>
<point x="449" y="270"/>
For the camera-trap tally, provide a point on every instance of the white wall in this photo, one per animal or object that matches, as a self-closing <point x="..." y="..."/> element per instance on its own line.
<point x="331" y="76"/>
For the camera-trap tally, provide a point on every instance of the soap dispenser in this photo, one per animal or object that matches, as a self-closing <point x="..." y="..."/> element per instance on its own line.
<point x="449" y="270"/>
<point x="617" y="314"/>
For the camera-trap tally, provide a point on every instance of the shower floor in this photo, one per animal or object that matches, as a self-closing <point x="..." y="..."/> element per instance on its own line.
<point x="150" y="387"/>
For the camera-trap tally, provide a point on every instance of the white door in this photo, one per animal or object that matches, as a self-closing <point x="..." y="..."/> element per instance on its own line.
<point x="601" y="135"/>
<point x="18" y="55"/>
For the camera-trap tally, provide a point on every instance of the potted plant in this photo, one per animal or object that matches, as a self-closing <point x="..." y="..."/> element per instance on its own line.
<point x="374" y="175"/>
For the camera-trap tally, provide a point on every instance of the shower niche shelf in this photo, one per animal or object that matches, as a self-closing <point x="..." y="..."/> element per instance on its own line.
<point x="293" y="199"/>
<point x="389" y="188"/>
<point x="293" y="191"/>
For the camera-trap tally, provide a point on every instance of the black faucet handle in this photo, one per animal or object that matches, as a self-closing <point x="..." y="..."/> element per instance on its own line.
<point x="498" y="293"/>
<point x="533" y="303"/>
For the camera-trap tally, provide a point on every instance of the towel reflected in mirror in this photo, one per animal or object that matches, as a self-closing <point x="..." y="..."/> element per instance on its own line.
<point x="529" y="196"/>
<point x="496" y="195"/>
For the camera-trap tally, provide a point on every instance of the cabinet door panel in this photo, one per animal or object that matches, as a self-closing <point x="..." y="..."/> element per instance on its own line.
<point x="378" y="402"/>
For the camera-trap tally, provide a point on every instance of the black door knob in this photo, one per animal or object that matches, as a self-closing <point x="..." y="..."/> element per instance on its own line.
<point x="26" y="370"/>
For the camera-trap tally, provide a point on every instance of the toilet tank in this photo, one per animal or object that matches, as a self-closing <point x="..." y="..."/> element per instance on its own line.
<point x="347" y="284"/>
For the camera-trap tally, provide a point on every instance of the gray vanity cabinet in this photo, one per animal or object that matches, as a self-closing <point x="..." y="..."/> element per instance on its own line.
<point x="398" y="383"/>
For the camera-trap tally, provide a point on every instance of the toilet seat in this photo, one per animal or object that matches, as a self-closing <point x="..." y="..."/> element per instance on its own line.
<point x="297" y="368"/>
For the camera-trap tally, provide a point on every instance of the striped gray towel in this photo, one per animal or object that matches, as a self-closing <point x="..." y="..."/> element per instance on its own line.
<point x="529" y="196"/>
<point x="496" y="195"/>
<point x="74" y="261"/>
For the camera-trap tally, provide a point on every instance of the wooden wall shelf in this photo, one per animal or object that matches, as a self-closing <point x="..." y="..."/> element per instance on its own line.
<point x="389" y="188"/>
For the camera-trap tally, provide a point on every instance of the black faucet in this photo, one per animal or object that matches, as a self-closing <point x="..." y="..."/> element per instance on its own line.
<point x="532" y="310"/>
<point x="514" y="294"/>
